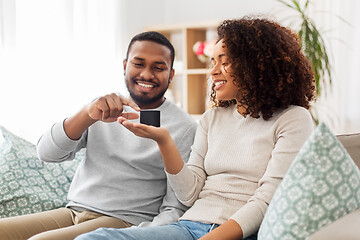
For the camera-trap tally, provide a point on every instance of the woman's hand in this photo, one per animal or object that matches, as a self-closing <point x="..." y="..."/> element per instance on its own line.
<point x="172" y="159"/>
<point x="230" y="230"/>
<point x="159" y="134"/>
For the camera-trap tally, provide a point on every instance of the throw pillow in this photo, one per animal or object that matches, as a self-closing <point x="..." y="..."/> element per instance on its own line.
<point x="321" y="185"/>
<point x="27" y="184"/>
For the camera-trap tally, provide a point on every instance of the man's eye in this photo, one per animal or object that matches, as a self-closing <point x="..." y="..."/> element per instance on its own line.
<point x="159" y="69"/>
<point x="138" y="64"/>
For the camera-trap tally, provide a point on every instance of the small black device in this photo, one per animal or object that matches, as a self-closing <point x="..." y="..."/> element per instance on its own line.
<point x="150" y="117"/>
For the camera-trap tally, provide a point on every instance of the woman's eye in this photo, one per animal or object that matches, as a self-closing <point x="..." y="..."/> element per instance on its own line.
<point x="226" y="66"/>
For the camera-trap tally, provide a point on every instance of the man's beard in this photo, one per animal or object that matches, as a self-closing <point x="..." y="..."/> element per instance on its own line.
<point x="144" y="99"/>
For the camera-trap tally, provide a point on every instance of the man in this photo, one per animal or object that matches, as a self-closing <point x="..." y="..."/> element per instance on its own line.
<point x="121" y="182"/>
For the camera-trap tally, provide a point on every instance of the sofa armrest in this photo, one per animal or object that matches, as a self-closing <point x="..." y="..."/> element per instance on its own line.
<point x="351" y="142"/>
<point x="346" y="228"/>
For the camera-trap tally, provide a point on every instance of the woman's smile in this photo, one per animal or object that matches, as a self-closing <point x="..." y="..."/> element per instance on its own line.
<point x="219" y="84"/>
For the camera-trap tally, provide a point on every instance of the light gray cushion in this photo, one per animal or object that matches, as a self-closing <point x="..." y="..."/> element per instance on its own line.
<point x="27" y="184"/>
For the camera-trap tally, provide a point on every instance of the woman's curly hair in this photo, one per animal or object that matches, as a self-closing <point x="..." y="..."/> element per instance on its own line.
<point x="269" y="67"/>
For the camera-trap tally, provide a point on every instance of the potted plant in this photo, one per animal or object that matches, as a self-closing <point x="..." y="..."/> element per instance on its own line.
<point x="314" y="48"/>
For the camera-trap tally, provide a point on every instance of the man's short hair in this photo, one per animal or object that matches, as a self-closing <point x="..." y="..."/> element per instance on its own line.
<point x="153" y="37"/>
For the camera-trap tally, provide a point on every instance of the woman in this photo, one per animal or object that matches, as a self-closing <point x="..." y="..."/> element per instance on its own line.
<point x="262" y="88"/>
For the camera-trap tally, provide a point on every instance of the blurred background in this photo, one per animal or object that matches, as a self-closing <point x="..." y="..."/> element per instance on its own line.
<point x="58" y="55"/>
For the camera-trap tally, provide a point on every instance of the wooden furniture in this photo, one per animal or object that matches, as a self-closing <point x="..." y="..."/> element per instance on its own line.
<point x="190" y="88"/>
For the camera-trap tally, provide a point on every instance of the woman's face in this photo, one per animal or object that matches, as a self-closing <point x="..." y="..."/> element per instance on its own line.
<point x="221" y="73"/>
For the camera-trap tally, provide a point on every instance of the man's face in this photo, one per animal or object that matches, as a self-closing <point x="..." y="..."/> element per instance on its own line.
<point x="148" y="73"/>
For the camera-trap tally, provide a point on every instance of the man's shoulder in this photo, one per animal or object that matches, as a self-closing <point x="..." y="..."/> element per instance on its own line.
<point x="175" y="116"/>
<point x="174" y="110"/>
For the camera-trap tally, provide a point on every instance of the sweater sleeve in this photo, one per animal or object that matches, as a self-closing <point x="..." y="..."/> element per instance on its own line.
<point x="171" y="209"/>
<point x="188" y="183"/>
<point x="56" y="146"/>
<point x="291" y="131"/>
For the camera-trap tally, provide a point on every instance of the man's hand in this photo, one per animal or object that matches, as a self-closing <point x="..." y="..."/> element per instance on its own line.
<point x="109" y="107"/>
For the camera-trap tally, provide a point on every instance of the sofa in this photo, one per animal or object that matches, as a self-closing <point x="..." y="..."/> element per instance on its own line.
<point x="28" y="185"/>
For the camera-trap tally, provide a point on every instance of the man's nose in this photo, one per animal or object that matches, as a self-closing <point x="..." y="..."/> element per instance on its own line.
<point x="147" y="73"/>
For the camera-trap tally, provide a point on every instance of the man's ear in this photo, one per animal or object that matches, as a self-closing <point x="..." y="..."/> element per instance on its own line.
<point x="124" y="64"/>
<point x="172" y="74"/>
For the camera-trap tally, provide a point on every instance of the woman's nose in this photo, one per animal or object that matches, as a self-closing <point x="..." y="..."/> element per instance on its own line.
<point x="215" y="70"/>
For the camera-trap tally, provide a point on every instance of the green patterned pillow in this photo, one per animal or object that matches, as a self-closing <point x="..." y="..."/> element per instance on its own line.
<point x="27" y="184"/>
<point x="322" y="185"/>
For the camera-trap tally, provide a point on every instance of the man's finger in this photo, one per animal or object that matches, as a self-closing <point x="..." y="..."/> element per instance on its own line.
<point x="129" y="103"/>
<point x="118" y="106"/>
<point x="121" y="119"/>
<point x="129" y="115"/>
<point x="103" y="108"/>
<point x="113" y="108"/>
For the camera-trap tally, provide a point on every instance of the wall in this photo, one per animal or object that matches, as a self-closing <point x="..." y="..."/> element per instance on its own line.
<point x="160" y="12"/>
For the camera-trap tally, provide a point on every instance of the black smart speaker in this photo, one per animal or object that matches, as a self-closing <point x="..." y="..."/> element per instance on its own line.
<point x="150" y="117"/>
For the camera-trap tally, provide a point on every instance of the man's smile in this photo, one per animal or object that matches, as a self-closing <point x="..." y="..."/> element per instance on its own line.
<point x="145" y="86"/>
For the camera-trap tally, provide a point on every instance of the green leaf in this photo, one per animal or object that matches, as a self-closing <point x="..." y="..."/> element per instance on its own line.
<point x="286" y="4"/>
<point x="296" y="4"/>
<point x="313" y="46"/>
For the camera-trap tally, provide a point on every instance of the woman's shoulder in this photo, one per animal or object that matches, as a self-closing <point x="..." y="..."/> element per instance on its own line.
<point x="207" y="116"/>
<point x="292" y="110"/>
<point x="294" y="116"/>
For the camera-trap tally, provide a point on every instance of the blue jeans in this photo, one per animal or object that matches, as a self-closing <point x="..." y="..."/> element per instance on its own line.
<point x="183" y="230"/>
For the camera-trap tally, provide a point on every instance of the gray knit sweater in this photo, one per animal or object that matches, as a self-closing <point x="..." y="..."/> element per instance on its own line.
<point x="122" y="175"/>
<point x="236" y="164"/>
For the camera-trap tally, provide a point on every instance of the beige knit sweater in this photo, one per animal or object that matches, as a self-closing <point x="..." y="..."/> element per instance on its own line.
<point x="237" y="163"/>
